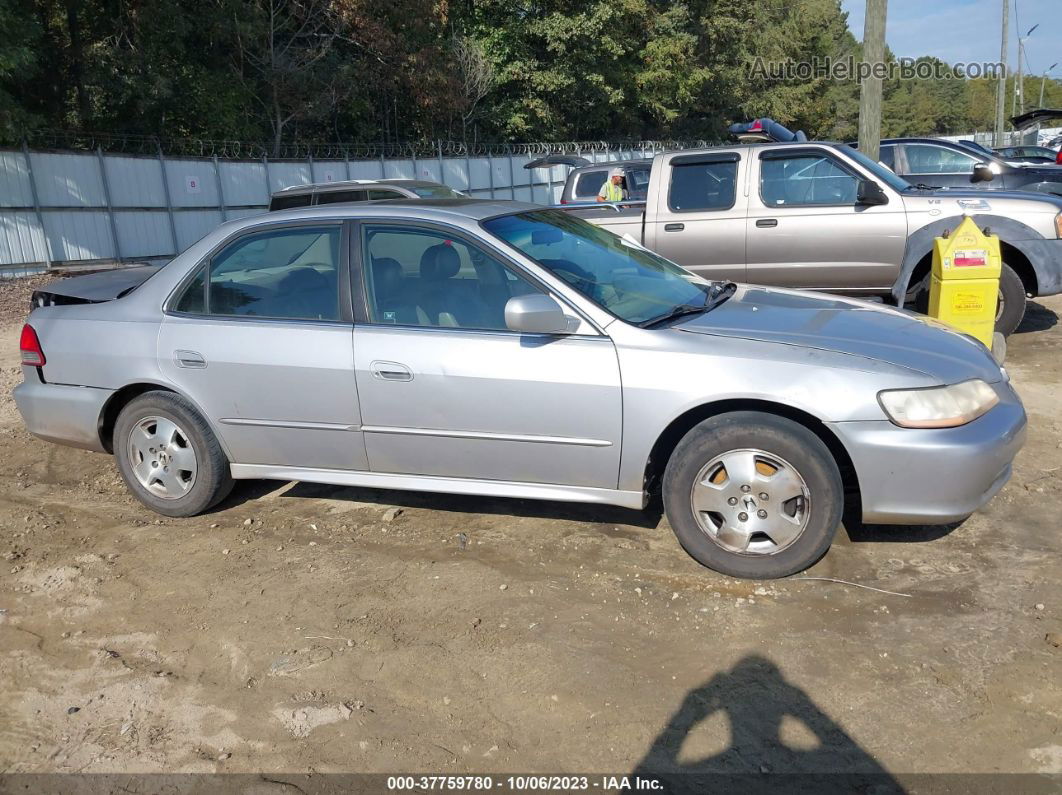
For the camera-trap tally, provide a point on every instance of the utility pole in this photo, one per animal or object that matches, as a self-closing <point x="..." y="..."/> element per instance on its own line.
<point x="1043" y="80"/>
<point x="870" y="90"/>
<point x="1001" y="88"/>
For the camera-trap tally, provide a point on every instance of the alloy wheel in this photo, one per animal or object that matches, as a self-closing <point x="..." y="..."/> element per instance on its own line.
<point x="751" y="502"/>
<point x="162" y="457"/>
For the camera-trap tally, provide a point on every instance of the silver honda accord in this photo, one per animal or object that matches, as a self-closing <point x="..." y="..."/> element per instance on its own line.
<point x="505" y="349"/>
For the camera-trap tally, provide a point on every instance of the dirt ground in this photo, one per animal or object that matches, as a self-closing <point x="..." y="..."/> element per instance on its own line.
<point x="302" y="628"/>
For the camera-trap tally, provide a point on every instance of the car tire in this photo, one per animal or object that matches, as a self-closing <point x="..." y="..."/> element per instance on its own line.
<point x="783" y="536"/>
<point x="1012" y="301"/>
<point x="168" y="456"/>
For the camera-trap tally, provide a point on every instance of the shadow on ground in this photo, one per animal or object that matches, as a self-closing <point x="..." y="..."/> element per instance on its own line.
<point x="810" y="753"/>
<point x="1037" y="318"/>
<point x="246" y="491"/>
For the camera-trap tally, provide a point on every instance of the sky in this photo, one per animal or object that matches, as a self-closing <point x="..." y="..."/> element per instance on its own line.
<point x="968" y="30"/>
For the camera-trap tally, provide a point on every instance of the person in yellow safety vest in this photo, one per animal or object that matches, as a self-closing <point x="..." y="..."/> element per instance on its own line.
<point x="612" y="189"/>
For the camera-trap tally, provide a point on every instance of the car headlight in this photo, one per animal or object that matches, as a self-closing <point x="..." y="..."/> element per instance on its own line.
<point x="1058" y="225"/>
<point x="939" y="406"/>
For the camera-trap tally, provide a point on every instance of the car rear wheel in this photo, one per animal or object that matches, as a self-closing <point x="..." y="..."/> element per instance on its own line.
<point x="168" y="456"/>
<point x="753" y="495"/>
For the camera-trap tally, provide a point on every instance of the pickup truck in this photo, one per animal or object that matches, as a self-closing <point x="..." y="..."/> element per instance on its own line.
<point x="823" y="216"/>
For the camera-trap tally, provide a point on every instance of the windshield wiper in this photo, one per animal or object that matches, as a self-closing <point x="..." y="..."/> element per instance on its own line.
<point x="725" y="290"/>
<point x="923" y="186"/>
<point x="717" y="295"/>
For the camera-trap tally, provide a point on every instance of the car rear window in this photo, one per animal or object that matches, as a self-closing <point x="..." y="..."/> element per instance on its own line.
<point x="589" y="184"/>
<point x="286" y="202"/>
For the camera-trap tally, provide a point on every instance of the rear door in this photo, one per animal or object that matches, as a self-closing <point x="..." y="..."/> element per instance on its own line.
<point x="804" y="228"/>
<point x="260" y="338"/>
<point x="698" y="218"/>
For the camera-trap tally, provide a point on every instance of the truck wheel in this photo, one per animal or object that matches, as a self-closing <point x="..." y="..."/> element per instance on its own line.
<point x="1011" y="302"/>
<point x="753" y="495"/>
<point x="1010" y="306"/>
<point x="168" y="456"/>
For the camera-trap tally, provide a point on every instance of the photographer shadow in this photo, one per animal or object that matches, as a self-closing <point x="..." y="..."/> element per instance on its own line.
<point x="756" y="700"/>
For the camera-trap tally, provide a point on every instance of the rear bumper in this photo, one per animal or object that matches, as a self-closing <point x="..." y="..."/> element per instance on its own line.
<point x="62" y="414"/>
<point x="909" y="476"/>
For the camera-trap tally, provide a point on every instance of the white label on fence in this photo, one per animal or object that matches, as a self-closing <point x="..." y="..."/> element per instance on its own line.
<point x="330" y="176"/>
<point x="191" y="185"/>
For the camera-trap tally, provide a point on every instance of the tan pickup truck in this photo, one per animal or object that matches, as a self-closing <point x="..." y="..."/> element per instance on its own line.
<point x="823" y="216"/>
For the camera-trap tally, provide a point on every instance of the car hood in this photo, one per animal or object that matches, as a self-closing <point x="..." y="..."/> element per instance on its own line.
<point x="981" y="200"/>
<point x="848" y="326"/>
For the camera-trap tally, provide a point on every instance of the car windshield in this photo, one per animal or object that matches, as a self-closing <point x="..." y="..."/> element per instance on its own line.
<point x="435" y="192"/>
<point x="895" y="182"/>
<point x="631" y="282"/>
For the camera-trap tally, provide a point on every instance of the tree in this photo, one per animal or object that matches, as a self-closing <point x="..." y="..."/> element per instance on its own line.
<point x="475" y="77"/>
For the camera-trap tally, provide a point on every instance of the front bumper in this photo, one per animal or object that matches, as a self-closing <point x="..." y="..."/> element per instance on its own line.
<point x="934" y="476"/>
<point x="62" y="414"/>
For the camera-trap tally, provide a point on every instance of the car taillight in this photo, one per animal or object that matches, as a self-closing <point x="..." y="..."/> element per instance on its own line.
<point x="30" y="346"/>
<point x="1058" y="157"/>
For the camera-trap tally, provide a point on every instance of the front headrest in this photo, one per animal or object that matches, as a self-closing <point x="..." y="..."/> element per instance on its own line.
<point x="302" y="279"/>
<point x="439" y="262"/>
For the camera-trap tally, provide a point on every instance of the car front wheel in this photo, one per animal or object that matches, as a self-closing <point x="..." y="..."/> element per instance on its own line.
<point x="753" y="495"/>
<point x="168" y="456"/>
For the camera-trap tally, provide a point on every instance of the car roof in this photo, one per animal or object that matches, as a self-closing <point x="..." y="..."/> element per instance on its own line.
<point x="341" y="184"/>
<point x="423" y="209"/>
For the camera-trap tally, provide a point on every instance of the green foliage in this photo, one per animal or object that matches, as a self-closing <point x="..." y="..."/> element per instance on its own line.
<point x="291" y="70"/>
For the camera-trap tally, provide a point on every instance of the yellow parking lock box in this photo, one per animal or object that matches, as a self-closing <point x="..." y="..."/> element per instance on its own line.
<point x="965" y="284"/>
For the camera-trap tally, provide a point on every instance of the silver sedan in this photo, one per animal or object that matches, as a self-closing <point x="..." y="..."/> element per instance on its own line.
<point x="504" y="349"/>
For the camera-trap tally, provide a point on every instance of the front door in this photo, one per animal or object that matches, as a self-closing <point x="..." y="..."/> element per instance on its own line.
<point x="804" y="228"/>
<point x="446" y="389"/>
<point x="700" y="216"/>
<point x="940" y="166"/>
<point x="261" y="341"/>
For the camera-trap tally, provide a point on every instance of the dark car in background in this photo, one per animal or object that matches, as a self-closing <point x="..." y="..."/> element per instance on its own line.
<point x="944" y="164"/>
<point x="359" y="190"/>
<point x="1030" y="154"/>
<point x="586" y="177"/>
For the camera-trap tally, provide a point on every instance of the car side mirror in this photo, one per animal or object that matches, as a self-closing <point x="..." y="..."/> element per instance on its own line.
<point x="982" y="173"/>
<point x="870" y="193"/>
<point x="535" y="314"/>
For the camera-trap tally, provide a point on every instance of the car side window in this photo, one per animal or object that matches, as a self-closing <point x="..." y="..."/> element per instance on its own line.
<point x="285" y="273"/>
<point x="802" y="180"/>
<point x="282" y="202"/>
<point x="589" y="184"/>
<point x="929" y="159"/>
<point x="702" y="186"/>
<point x="336" y="196"/>
<point x="420" y="277"/>
<point x="887" y="156"/>
<point x="385" y="194"/>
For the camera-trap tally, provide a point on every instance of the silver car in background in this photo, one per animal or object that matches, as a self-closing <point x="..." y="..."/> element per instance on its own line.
<point x="504" y="349"/>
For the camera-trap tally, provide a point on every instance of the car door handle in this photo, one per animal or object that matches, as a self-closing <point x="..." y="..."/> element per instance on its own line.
<point x="390" y="371"/>
<point x="766" y="222"/>
<point x="674" y="227"/>
<point x="189" y="359"/>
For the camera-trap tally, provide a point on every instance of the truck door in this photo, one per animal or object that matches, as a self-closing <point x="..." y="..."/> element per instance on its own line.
<point x="697" y="218"/>
<point x="805" y="229"/>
